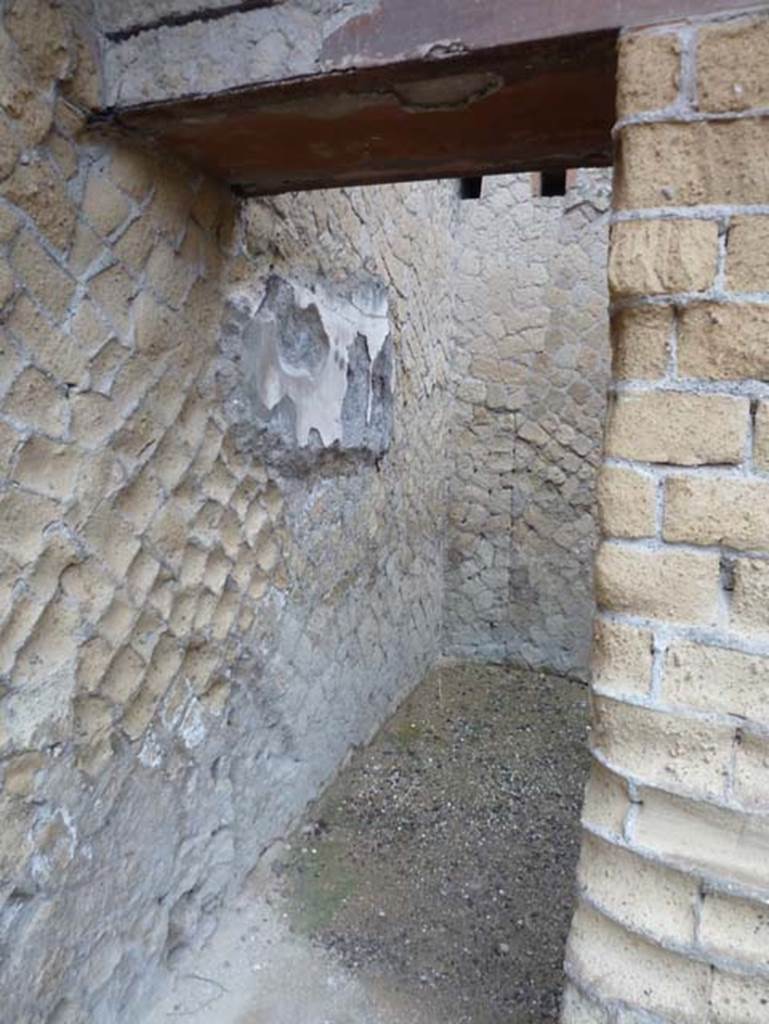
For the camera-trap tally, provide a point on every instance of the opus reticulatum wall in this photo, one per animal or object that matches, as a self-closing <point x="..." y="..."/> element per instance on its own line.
<point x="193" y="629"/>
<point x="531" y="371"/>
<point x="224" y="440"/>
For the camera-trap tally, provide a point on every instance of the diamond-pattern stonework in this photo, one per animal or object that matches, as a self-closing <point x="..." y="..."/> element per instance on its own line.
<point x="189" y="642"/>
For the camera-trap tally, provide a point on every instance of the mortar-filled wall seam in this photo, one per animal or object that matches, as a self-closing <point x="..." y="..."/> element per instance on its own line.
<point x="703" y="635"/>
<point x="661" y="471"/>
<point x="684" y="299"/>
<point x="672" y="116"/>
<point x="652" y="544"/>
<point x="654" y="702"/>
<point x="715" y="884"/>
<point x="708" y="211"/>
<point x="612" y="1010"/>
<point x="695" y="798"/>
<point x="692" y="951"/>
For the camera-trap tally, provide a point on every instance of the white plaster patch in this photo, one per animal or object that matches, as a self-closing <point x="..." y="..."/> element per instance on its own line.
<point x="306" y="362"/>
<point x="192" y="729"/>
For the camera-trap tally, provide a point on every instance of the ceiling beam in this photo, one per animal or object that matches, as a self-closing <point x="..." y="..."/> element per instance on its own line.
<point x="419" y="89"/>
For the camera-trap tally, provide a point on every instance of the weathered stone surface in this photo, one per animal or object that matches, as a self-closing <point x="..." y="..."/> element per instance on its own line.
<point x="717" y="511"/>
<point x="651" y="76"/>
<point x="686" y="735"/>
<point x="530" y="310"/>
<point x="606" y="800"/>
<point x="640" y="894"/>
<point x="622" y="658"/>
<point x="663" y="749"/>
<point x="146" y="556"/>
<point x="649" y="257"/>
<point x="724" y="341"/>
<point x="578" y="1009"/>
<point x="719" y="679"/>
<point x="761" y="437"/>
<point x="698" y="835"/>
<point x="751" y="772"/>
<point x="731" y="61"/>
<point x="734" y="928"/>
<point x="687" y="164"/>
<point x="627" y="503"/>
<point x="630" y="969"/>
<point x="736" y="997"/>
<point x="262" y="44"/>
<point x="747" y="257"/>
<point x="673" y="585"/>
<point x="749" y="607"/>
<point x="641" y="342"/>
<point x="678" y="428"/>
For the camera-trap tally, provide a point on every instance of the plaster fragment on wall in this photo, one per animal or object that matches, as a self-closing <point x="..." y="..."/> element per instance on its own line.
<point x="315" y="368"/>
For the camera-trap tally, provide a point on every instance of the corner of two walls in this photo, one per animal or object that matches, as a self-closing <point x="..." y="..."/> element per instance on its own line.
<point x="192" y="636"/>
<point x="531" y="373"/>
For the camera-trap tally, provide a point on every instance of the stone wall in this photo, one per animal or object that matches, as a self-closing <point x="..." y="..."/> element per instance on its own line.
<point x="674" y="876"/>
<point x="532" y="358"/>
<point x="170" y="48"/>
<point x="192" y="636"/>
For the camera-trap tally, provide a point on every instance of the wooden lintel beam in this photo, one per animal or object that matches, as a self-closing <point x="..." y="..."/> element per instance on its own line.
<point x="418" y="90"/>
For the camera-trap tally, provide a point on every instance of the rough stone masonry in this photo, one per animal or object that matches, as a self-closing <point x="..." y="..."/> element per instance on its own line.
<point x="193" y="633"/>
<point x="530" y="370"/>
<point x="225" y="451"/>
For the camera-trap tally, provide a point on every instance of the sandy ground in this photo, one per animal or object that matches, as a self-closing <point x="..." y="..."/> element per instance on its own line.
<point x="431" y="884"/>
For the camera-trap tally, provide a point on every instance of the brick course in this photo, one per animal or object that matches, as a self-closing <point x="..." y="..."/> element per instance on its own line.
<point x="731" y="65"/>
<point x="724" y="341"/>
<point x="674" y="585"/>
<point x="716" y="678"/>
<point x="717" y="510"/>
<point x="622" y="658"/>
<point x="681" y="710"/>
<point x="637" y="90"/>
<point x="668" y="164"/>
<point x="650" y="257"/>
<point x="678" y="428"/>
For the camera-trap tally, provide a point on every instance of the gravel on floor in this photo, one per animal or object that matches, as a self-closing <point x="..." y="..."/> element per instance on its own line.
<point x="441" y="861"/>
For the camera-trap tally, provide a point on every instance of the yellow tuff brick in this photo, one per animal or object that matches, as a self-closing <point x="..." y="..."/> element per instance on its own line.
<point x="724" y="341"/>
<point x="622" y="658"/>
<point x="627" y="502"/>
<point x="678" y="428"/>
<point x="623" y="966"/>
<point x="670" y="585"/>
<point x="648" y="257"/>
<point x="717" y="679"/>
<point x="663" y="749"/>
<point x="688" y="164"/>
<point x="717" y="510"/>
<point x="731" y="65"/>
<point x="650" y="70"/>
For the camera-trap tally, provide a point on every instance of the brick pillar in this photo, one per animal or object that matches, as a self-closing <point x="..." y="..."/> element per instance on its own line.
<point x="672" y="923"/>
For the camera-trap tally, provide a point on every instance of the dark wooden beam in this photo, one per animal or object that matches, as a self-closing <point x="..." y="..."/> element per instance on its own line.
<point x="419" y="89"/>
<point x="539" y="105"/>
<point x="397" y="30"/>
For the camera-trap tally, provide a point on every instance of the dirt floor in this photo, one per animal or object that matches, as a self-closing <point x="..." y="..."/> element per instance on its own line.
<point x="431" y="883"/>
